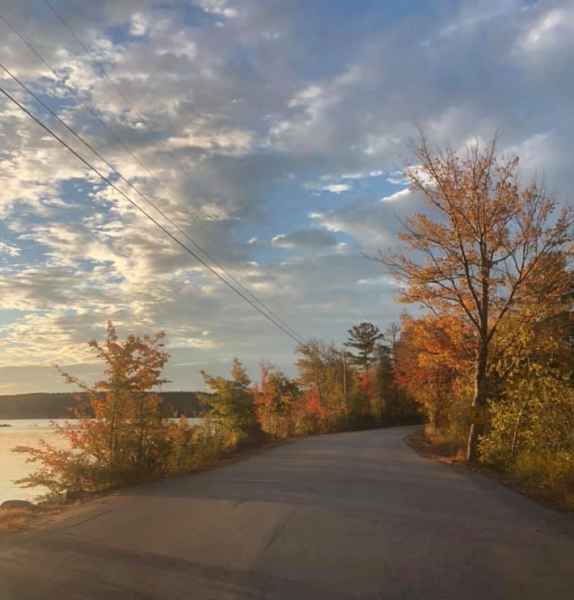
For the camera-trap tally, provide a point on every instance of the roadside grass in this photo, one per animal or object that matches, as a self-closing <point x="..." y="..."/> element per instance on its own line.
<point x="18" y="519"/>
<point x="15" y="520"/>
<point x="434" y="447"/>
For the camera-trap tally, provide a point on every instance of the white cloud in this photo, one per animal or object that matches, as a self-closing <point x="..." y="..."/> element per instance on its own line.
<point x="218" y="7"/>
<point x="400" y="195"/>
<point x="542" y="31"/>
<point x="336" y="188"/>
<point x="379" y="281"/>
<point x="307" y="97"/>
<point x="231" y="141"/>
<point x="362" y="174"/>
<point x="139" y="24"/>
<point x="304" y="238"/>
<point x="226" y="122"/>
<point x="9" y="249"/>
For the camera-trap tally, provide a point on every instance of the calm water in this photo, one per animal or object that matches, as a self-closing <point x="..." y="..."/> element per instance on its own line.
<point x="24" y="432"/>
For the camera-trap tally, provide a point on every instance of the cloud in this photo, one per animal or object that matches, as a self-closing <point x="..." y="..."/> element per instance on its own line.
<point x="362" y="174"/>
<point x="222" y="112"/>
<point x="543" y="32"/>
<point x="218" y="7"/>
<point x="400" y="195"/>
<point x="336" y="188"/>
<point x="9" y="249"/>
<point x="305" y="238"/>
<point x="139" y="24"/>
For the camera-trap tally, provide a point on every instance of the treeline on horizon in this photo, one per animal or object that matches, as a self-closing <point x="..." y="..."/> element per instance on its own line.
<point x="121" y="434"/>
<point x="61" y="405"/>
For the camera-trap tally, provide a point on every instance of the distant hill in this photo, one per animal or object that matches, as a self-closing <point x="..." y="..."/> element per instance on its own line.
<point x="59" y="406"/>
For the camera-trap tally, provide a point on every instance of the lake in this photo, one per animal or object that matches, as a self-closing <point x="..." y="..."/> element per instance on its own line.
<point x="25" y="432"/>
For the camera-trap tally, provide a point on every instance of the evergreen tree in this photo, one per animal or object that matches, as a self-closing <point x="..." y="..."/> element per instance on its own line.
<point x="363" y="338"/>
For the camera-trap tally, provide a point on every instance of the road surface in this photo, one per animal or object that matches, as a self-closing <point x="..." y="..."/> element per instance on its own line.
<point x="352" y="515"/>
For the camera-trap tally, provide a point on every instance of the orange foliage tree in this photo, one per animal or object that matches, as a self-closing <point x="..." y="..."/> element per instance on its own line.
<point x="279" y="402"/>
<point x="118" y="435"/>
<point x="484" y="238"/>
<point x="433" y="357"/>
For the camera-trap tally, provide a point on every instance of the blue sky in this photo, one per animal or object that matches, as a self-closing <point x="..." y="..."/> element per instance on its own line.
<point x="274" y="132"/>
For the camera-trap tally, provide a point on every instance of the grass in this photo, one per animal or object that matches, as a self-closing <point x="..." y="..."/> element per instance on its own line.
<point x="436" y="448"/>
<point x="16" y="519"/>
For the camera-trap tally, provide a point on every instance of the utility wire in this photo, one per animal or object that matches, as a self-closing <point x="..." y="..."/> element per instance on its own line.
<point x="82" y="44"/>
<point x="143" y="211"/>
<point x="66" y="24"/>
<point x="88" y="106"/>
<point x="118" y="141"/>
<point x="145" y="197"/>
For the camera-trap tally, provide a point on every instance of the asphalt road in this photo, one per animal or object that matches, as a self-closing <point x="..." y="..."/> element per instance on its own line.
<point x="353" y="515"/>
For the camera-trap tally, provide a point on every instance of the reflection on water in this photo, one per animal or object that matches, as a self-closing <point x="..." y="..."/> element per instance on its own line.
<point x="24" y="432"/>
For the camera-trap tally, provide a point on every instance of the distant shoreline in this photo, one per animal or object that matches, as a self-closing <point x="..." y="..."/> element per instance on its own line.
<point x="60" y="405"/>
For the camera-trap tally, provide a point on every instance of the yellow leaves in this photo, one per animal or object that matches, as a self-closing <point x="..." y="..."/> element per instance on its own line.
<point x="484" y="240"/>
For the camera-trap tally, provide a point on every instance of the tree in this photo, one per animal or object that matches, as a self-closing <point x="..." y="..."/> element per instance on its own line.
<point x="432" y="360"/>
<point x="328" y="383"/>
<point x="387" y="390"/>
<point x="277" y="399"/>
<point x="363" y="338"/>
<point x="474" y="253"/>
<point x="123" y="437"/>
<point x="232" y="405"/>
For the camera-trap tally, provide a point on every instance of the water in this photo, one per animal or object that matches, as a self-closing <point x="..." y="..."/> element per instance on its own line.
<point x="25" y="432"/>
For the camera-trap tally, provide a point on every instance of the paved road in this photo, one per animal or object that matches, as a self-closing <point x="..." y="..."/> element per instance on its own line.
<point x="353" y="515"/>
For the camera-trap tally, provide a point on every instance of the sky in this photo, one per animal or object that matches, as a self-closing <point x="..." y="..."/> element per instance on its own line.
<point x="274" y="133"/>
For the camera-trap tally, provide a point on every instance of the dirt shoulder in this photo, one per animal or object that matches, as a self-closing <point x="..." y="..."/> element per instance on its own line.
<point x="439" y="451"/>
<point x="16" y="520"/>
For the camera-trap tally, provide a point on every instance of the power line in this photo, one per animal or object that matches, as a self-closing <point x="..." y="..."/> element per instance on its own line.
<point x="66" y="24"/>
<point x="110" y="165"/>
<point x="146" y="198"/>
<point x="81" y="43"/>
<point x="90" y="109"/>
<point x="144" y="212"/>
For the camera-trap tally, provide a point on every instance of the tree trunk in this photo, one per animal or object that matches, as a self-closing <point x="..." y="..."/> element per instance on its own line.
<point x="478" y="402"/>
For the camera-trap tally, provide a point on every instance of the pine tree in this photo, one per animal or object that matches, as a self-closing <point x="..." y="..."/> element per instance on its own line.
<point x="363" y="338"/>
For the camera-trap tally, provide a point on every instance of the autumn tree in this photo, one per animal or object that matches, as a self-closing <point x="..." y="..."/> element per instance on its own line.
<point x="278" y="402"/>
<point x="432" y="360"/>
<point x="232" y="404"/>
<point x="119" y="435"/>
<point x="531" y="424"/>
<point x="329" y="384"/>
<point x="363" y="339"/>
<point x="473" y="253"/>
<point x="386" y="381"/>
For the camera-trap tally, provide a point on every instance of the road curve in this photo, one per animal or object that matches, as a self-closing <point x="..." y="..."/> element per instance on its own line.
<point x="352" y="515"/>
